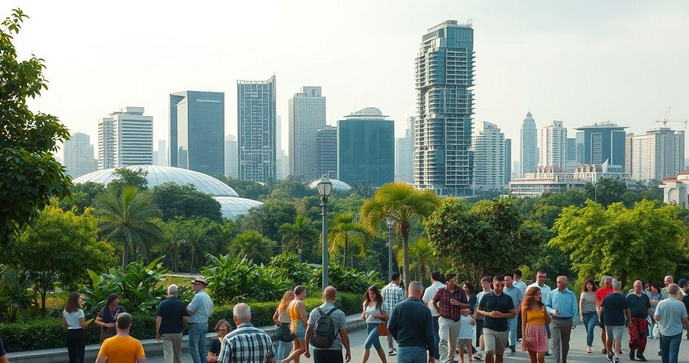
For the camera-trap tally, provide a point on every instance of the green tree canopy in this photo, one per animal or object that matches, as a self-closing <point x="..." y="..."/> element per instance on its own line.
<point x="185" y="201"/>
<point x="81" y="196"/>
<point x="253" y="245"/>
<point x="644" y="242"/>
<point x="268" y="218"/>
<point x="61" y="246"/>
<point x="606" y="191"/>
<point x="135" y="178"/>
<point x="302" y="234"/>
<point x="246" y="188"/>
<point x="29" y="175"/>
<point x="345" y="232"/>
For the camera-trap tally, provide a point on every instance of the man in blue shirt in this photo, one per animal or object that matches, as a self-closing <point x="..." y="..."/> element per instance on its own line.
<point x="200" y="309"/>
<point x="562" y="307"/>
<point x="171" y="318"/>
<point x="517" y="296"/>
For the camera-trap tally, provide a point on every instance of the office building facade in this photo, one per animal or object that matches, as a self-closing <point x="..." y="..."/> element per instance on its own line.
<point x="404" y="154"/>
<point x="125" y="138"/>
<point x="445" y="106"/>
<point x="231" y="157"/>
<point x="256" y="123"/>
<point x="366" y="148"/>
<point x="78" y="155"/>
<point x="600" y="142"/>
<point x="197" y="131"/>
<point x="160" y="155"/>
<point x="528" y="145"/>
<point x="306" y="117"/>
<point x="508" y="161"/>
<point x="326" y="148"/>
<point x="554" y="145"/>
<point x="656" y="155"/>
<point x="489" y="158"/>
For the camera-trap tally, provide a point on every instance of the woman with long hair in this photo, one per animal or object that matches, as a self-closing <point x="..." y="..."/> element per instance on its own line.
<point x="298" y="320"/>
<point x="374" y="314"/>
<point x="74" y="324"/>
<point x="535" y="317"/>
<point x="587" y="311"/>
<point x="283" y="321"/>
<point x="108" y="316"/>
<point x="222" y="328"/>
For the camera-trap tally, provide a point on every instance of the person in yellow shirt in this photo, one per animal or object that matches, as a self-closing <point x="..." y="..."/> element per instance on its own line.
<point x="535" y="317"/>
<point x="122" y="348"/>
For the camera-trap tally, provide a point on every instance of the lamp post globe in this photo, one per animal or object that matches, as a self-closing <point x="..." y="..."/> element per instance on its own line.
<point x="324" y="188"/>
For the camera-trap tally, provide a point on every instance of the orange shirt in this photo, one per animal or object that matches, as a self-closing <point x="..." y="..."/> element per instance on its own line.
<point x="534" y="316"/>
<point x="121" y="349"/>
<point x="602" y="293"/>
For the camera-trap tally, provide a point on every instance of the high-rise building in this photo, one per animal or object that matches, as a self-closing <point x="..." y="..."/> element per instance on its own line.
<point x="231" y="156"/>
<point x="600" y="142"/>
<point x="404" y="154"/>
<point x="306" y="117"/>
<point x="256" y="130"/>
<point x="197" y="131"/>
<point x="489" y="157"/>
<point x="554" y="145"/>
<point x="528" y="146"/>
<point x="125" y="138"/>
<point x="366" y="147"/>
<point x="160" y="155"/>
<point x="78" y="155"/>
<point x="508" y="161"/>
<point x="571" y="160"/>
<point x="281" y="157"/>
<point x="657" y="154"/>
<point x="326" y="148"/>
<point x="445" y="106"/>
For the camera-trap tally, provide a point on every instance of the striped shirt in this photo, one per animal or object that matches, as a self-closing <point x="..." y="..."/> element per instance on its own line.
<point x="247" y="344"/>
<point x="392" y="295"/>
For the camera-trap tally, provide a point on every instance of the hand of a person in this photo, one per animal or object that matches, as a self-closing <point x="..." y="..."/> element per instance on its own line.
<point x="110" y="325"/>
<point x="555" y="312"/>
<point x="543" y="309"/>
<point x="307" y="354"/>
<point x="431" y="359"/>
<point x="348" y="356"/>
<point x="581" y="317"/>
<point x="574" y="326"/>
<point x="158" y="337"/>
<point x="454" y="302"/>
<point x="363" y="316"/>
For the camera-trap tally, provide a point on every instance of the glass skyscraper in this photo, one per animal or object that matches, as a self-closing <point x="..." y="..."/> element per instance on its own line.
<point x="306" y="117"/>
<point x="600" y="142"/>
<point x="197" y="131"/>
<point x="366" y="148"/>
<point x="256" y="130"/>
<point x="445" y="105"/>
<point x="528" y="146"/>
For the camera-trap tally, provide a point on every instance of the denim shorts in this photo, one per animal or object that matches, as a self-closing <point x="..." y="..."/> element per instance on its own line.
<point x="301" y="330"/>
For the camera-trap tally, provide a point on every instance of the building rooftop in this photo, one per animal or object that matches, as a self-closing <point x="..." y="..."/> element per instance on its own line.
<point x="602" y="125"/>
<point x="367" y="112"/>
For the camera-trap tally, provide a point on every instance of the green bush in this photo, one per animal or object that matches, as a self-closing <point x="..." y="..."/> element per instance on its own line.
<point x="47" y="333"/>
<point x="286" y="265"/>
<point x="347" y="279"/>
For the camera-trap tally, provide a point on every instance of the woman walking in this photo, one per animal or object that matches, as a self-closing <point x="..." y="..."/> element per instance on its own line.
<point x="374" y="315"/>
<point x="222" y="328"/>
<point x="587" y="311"/>
<point x="74" y="324"/>
<point x="655" y="297"/>
<point x="298" y="320"/>
<point x="108" y="316"/>
<point x="283" y="321"/>
<point x="534" y="336"/>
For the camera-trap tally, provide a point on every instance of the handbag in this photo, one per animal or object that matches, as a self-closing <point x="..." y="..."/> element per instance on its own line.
<point x="383" y="329"/>
<point x="284" y="334"/>
<point x="656" y="331"/>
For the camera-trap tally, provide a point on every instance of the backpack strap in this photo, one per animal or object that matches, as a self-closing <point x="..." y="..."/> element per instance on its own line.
<point x="329" y="312"/>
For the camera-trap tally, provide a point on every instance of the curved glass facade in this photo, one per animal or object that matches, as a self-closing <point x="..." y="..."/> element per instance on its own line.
<point x="233" y="207"/>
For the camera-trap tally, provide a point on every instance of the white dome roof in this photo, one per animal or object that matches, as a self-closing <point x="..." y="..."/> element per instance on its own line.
<point x="233" y="207"/>
<point x="337" y="185"/>
<point x="158" y="175"/>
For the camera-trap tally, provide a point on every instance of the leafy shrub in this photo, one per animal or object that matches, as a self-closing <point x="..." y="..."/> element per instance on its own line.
<point x="139" y="287"/>
<point x="347" y="279"/>
<point x="15" y="297"/>
<point x="287" y="266"/>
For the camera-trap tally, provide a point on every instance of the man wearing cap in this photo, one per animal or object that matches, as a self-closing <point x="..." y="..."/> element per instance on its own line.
<point x="200" y="309"/>
<point x="682" y="286"/>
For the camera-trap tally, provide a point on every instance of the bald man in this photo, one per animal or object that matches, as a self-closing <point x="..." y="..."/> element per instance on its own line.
<point x="332" y="354"/>
<point x="640" y="308"/>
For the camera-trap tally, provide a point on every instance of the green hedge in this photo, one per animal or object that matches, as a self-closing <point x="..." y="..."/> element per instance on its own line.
<point x="47" y="333"/>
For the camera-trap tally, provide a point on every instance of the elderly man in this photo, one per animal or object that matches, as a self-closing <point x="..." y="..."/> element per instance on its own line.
<point x="613" y="310"/>
<point x="640" y="308"/>
<point x="561" y="304"/>
<point x="671" y="315"/>
<point x="668" y="280"/>
<point x="411" y="324"/>
<point x="246" y="343"/>
<point x="332" y="354"/>
<point x="171" y="319"/>
<point x="200" y="309"/>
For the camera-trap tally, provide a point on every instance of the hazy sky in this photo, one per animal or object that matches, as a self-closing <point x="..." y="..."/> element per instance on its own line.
<point x="579" y="62"/>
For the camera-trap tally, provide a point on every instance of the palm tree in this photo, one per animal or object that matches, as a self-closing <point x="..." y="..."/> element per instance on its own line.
<point x="300" y="232"/>
<point x="405" y="204"/>
<point x="196" y="238"/>
<point x="253" y="245"/>
<point x="343" y="231"/>
<point x="422" y="258"/>
<point x="128" y="218"/>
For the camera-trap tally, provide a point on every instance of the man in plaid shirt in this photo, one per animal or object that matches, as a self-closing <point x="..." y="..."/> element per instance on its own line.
<point x="392" y="295"/>
<point x="246" y="344"/>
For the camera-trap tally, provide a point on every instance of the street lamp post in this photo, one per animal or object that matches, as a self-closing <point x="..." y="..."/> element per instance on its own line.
<point x="595" y="193"/>
<point x="324" y="187"/>
<point x="390" y="221"/>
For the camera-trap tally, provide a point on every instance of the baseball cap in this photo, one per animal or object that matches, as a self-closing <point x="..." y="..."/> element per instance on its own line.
<point x="682" y="282"/>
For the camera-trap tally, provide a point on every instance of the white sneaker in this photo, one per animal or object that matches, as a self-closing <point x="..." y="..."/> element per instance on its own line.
<point x="392" y="352"/>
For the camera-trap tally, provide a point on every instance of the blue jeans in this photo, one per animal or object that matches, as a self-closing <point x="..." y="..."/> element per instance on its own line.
<point x="590" y="322"/>
<point x="669" y="347"/>
<point x="436" y="335"/>
<point x="284" y="348"/>
<point x="197" y="342"/>
<point x="411" y="354"/>
<point x="512" y="324"/>
<point x="373" y="335"/>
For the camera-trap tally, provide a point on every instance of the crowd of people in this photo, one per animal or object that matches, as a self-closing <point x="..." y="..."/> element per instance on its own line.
<point x="436" y="323"/>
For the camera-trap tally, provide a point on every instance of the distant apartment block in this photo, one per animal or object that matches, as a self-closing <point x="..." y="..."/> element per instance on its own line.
<point x="78" y="155"/>
<point x="231" y="158"/>
<point x="404" y="154"/>
<point x="656" y="155"/>
<point x="528" y="145"/>
<point x="256" y="134"/>
<point x="554" y="145"/>
<point x="125" y="138"/>
<point x="489" y="157"/>
<point x="306" y="117"/>
<point x="326" y="148"/>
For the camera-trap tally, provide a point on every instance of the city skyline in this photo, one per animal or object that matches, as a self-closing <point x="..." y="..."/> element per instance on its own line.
<point x="591" y="51"/>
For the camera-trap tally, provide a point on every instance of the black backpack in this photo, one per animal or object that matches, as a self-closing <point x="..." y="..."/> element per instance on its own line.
<point x="324" y="330"/>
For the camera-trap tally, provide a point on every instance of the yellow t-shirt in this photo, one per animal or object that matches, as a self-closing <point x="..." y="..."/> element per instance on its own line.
<point x="534" y="316"/>
<point x="121" y="349"/>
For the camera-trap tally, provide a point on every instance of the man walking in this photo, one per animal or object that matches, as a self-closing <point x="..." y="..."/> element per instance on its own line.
<point x="449" y="302"/>
<point x="496" y="308"/>
<point x="200" y="309"/>
<point x="601" y="294"/>
<point x="122" y="348"/>
<point x="640" y="308"/>
<point x="427" y="300"/>
<point x="671" y="315"/>
<point x="332" y="354"/>
<point x="517" y="296"/>
<point x="392" y="295"/>
<point x="668" y="280"/>
<point x="171" y="319"/>
<point x="521" y="285"/>
<point x="412" y="326"/>
<point x="246" y="343"/>
<point x="613" y="311"/>
<point x="561" y="304"/>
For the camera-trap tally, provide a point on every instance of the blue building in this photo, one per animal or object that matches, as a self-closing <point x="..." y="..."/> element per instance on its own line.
<point x="197" y="131"/>
<point x="366" y="148"/>
<point x="601" y="142"/>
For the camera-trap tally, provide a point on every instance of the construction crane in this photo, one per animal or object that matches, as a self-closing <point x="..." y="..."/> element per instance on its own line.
<point x="667" y="116"/>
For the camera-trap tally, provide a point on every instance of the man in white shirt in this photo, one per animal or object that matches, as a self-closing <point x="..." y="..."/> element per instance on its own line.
<point x="427" y="298"/>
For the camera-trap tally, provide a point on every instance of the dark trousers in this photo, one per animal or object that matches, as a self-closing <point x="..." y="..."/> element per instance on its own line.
<point x="327" y="356"/>
<point x="76" y="344"/>
<point x="436" y="336"/>
<point x="519" y="325"/>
